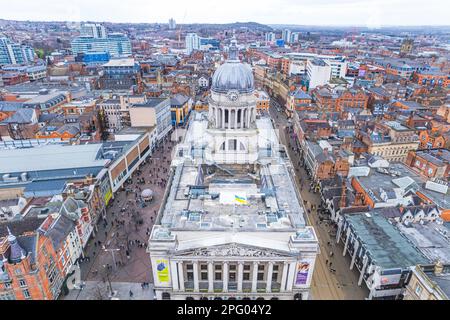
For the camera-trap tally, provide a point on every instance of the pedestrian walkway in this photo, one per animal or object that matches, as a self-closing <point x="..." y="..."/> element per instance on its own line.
<point x="98" y="290"/>
<point x="326" y="285"/>
<point x="129" y="220"/>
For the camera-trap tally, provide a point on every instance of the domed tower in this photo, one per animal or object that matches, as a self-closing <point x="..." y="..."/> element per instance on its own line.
<point x="232" y="112"/>
<point x="232" y="102"/>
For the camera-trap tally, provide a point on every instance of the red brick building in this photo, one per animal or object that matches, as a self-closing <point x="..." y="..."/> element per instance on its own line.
<point x="29" y="267"/>
<point x="433" y="163"/>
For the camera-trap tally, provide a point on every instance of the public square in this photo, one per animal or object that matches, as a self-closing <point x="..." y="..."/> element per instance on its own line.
<point x="129" y="221"/>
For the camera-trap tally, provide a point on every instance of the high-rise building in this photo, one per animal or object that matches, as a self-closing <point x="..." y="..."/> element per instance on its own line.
<point x="94" y="30"/>
<point x="286" y="36"/>
<point x="172" y="24"/>
<point x="192" y="42"/>
<point x="116" y="44"/>
<point x="294" y="37"/>
<point x="15" y="53"/>
<point x="319" y="72"/>
<point x="240" y="230"/>
<point x="270" y="37"/>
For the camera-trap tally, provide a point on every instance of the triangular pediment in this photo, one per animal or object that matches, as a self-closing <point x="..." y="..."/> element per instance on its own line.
<point x="233" y="250"/>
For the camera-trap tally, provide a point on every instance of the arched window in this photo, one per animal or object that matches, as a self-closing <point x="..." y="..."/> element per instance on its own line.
<point x="204" y="298"/>
<point x="260" y="298"/>
<point x="166" y="296"/>
<point x="298" y="296"/>
<point x="190" y="298"/>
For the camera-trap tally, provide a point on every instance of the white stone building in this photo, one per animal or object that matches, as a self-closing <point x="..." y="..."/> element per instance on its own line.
<point x="232" y="224"/>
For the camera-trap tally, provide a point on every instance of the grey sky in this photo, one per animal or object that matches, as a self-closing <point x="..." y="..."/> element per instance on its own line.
<point x="371" y="13"/>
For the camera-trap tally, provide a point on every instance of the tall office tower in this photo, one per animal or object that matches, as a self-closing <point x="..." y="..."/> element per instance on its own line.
<point x="270" y="37"/>
<point x="294" y="37"/>
<point x="286" y="35"/>
<point x="172" y="24"/>
<point x="232" y="225"/>
<point x="94" y="30"/>
<point x="192" y="42"/>
<point x="116" y="44"/>
<point x="15" y="53"/>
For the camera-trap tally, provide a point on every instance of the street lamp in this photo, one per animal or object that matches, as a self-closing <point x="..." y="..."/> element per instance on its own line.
<point x="112" y="250"/>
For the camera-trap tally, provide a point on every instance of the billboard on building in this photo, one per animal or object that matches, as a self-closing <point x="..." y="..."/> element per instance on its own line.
<point x="302" y="272"/>
<point x="162" y="270"/>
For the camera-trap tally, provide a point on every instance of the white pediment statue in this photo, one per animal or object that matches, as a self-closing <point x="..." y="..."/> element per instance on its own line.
<point x="233" y="250"/>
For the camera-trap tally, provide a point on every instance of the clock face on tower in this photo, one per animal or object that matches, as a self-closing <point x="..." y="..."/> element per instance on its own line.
<point x="232" y="95"/>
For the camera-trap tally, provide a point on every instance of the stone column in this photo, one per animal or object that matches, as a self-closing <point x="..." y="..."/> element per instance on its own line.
<point x="363" y="270"/>
<point x="339" y="230"/>
<point x="173" y="272"/>
<point x="291" y="276"/>
<point x="196" y="284"/>
<point x="269" y="277"/>
<point x="223" y="118"/>
<point x="210" y="277"/>
<point x="240" y="276"/>
<point x="354" y="254"/>
<point x="255" y="276"/>
<point x="346" y="242"/>
<point x="283" y="277"/>
<point x="181" y="275"/>
<point x="216" y="119"/>
<point x="225" y="277"/>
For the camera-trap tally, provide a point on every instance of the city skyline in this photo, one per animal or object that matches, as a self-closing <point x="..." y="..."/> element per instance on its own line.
<point x="358" y="13"/>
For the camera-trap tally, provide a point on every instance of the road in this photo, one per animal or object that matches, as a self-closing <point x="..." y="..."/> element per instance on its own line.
<point x="326" y="285"/>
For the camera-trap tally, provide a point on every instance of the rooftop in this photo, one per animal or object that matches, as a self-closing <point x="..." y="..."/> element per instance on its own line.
<point x="384" y="243"/>
<point x="126" y="62"/>
<point x="51" y="157"/>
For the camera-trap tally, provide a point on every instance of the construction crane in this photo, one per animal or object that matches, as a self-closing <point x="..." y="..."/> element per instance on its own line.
<point x="181" y="26"/>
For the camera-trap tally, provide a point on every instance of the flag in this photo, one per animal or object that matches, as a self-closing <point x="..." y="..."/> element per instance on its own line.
<point x="240" y="199"/>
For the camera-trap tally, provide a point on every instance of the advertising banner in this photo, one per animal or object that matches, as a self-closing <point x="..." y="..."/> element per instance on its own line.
<point x="162" y="270"/>
<point x="302" y="273"/>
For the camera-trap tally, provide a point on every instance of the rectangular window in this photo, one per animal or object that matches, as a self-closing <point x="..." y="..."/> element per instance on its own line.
<point x="190" y="276"/>
<point x="204" y="276"/>
<point x="26" y="293"/>
<point x="22" y="283"/>
<point x="418" y="289"/>
<point x="218" y="276"/>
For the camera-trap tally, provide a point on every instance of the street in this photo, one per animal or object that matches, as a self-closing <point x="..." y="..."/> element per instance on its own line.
<point x="326" y="284"/>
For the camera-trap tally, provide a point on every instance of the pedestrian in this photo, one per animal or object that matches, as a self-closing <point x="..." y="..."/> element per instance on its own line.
<point x="326" y="262"/>
<point x="131" y="294"/>
<point x="331" y="253"/>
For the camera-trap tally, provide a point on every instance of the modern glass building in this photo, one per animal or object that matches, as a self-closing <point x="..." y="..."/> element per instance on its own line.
<point x="116" y="44"/>
<point x="15" y="53"/>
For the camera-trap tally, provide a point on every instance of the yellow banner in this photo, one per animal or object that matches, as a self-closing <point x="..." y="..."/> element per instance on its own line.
<point x="162" y="270"/>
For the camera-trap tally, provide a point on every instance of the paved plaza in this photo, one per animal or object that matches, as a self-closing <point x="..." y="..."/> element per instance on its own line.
<point x="125" y="232"/>
<point x="95" y="290"/>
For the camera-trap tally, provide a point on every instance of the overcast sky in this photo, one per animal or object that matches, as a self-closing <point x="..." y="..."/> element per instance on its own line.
<point x="371" y="13"/>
